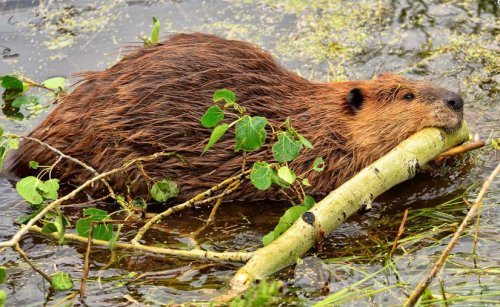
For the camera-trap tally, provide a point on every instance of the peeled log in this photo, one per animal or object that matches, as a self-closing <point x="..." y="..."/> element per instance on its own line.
<point x="398" y="165"/>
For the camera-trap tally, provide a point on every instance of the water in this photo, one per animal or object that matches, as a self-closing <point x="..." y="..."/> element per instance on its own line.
<point x="452" y="43"/>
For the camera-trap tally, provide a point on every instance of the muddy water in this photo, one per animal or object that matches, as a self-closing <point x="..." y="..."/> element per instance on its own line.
<point x="453" y="43"/>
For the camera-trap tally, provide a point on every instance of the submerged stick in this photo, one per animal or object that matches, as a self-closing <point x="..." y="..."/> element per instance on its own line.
<point x="424" y="283"/>
<point x="397" y="166"/>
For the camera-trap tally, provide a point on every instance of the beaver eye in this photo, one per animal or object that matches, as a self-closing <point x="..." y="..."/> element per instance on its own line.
<point x="409" y="96"/>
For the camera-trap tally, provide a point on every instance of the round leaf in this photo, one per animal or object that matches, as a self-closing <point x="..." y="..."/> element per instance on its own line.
<point x="286" y="149"/>
<point x="261" y="175"/>
<point x="162" y="191"/>
<point x="212" y="117"/>
<point x="55" y="83"/>
<point x="49" y="188"/>
<point x="13" y="143"/>
<point x="250" y="133"/>
<point x="61" y="281"/>
<point x="319" y="164"/>
<point x="33" y="164"/>
<point x="11" y="83"/>
<point x="286" y="174"/>
<point x="224" y="94"/>
<point x="28" y="189"/>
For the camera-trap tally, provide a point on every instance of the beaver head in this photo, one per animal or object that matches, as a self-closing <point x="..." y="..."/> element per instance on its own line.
<point x="391" y="103"/>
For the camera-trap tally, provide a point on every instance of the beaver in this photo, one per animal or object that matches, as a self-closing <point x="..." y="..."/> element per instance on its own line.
<point x="153" y="99"/>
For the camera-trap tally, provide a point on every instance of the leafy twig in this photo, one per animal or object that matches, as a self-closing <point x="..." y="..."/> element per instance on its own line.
<point x="53" y="205"/>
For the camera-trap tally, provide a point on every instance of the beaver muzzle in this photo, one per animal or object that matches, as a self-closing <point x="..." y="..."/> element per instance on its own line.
<point x="455" y="103"/>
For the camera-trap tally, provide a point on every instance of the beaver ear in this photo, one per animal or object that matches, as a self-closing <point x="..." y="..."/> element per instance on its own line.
<point x="355" y="100"/>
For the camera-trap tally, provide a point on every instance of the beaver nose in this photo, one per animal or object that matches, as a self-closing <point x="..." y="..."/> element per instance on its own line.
<point x="454" y="101"/>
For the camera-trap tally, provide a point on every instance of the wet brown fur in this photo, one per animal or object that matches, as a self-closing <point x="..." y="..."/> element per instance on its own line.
<point x="153" y="99"/>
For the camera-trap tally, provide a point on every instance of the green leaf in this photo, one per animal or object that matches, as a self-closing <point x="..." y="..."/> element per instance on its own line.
<point x="224" y="94"/>
<point x="261" y="175"/>
<point x="217" y="133"/>
<point x="11" y="83"/>
<point x="1" y="131"/>
<point x="100" y="231"/>
<point x="49" y="188"/>
<point x="55" y="83"/>
<point x="278" y="181"/>
<point x="28" y="189"/>
<point x="286" y="148"/>
<point x="250" y="133"/>
<point x="49" y="228"/>
<point x="25" y="100"/>
<point x="13" y="143"/>
<point x="3" y="152"/>
<point x="308" y="202"/>
<point x="3" y="274"/>
<point x="114" y="238"/>
<point x="306" y="182"/>
<point x="292" y="214"/>
<point x="161" y="191"/>
<point x="267" y="239"/>
<point x="96" y="214"/>
<point x="286" y="174"/>
<point x="305" y="141"/>
<point x="61" y="223"/>
<point x="140" y="203"/>
<point x="33" y="164"/>
<point x="155" y="33"/>
<point x="61" y="281"/>
<point x="24" y="219"/>
<point x="212" y="117"/>
<point x="319" y="164"/>
<point x="288" y="218"/>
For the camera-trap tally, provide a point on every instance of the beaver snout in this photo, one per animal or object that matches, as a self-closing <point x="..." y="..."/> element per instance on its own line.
<point x="454" y="101"/>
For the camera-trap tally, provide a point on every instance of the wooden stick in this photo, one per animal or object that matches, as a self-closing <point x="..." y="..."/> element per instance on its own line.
<point x="86" y="263"/>
<point x="457" y="150"/>
<point x="424" y="283"/>
<point x="400" y="232"/>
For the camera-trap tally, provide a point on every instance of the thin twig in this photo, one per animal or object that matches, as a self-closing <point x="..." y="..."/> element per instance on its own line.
<point x="457" y="150"/>
<point x="424" y="283"/>
<point x="211" y="217"/>
<point x="190" y="254"/>
<point x="195" y="200"/>
<point x="86" y="263"/>
<point x="23" y="255"/>
<point x="400" y="232"/>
